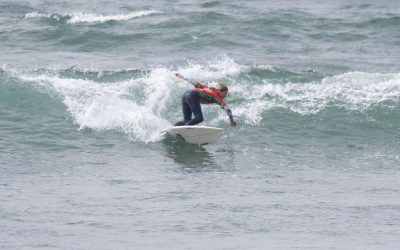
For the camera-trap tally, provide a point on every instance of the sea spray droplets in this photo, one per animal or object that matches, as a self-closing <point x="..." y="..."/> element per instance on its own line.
<point x="159" y="85"/>
<point x="218" y="68"/>
<point x="103" y="106"/>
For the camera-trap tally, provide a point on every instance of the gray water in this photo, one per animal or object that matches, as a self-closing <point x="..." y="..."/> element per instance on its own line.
<point x="87" y="88"/>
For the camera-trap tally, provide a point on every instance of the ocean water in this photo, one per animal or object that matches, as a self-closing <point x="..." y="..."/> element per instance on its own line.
<point x="86" y="87"/>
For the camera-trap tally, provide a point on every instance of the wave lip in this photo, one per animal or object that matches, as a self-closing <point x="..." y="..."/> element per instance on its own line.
<point x="79" y="17"/>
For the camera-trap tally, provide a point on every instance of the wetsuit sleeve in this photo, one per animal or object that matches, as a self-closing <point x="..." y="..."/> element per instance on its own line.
<point x="195" y="84"/>
<point x="201" y="85"/>
<point x="229" y="112"/>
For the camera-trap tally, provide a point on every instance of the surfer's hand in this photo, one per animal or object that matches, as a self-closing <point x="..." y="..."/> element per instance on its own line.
<point x="233" y="124"/>
<point x="178" y="75"/>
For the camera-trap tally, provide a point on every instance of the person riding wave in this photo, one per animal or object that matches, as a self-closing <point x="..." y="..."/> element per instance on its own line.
<point x="202" y="94"/>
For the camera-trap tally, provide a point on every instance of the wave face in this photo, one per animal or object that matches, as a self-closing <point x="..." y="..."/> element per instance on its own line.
<point x="141" y="103"/>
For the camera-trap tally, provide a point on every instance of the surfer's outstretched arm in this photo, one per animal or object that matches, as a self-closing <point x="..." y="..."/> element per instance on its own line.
<point x="229" y="112"/>
<point x="193" y="82"/>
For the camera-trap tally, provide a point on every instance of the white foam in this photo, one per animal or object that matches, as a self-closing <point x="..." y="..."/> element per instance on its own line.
<point x="104" y="106"/>
<point x="95" y="18"/>
<point x="354" y="91"/>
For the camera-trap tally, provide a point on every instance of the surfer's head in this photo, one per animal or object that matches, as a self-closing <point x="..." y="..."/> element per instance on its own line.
<point x="222" y="89"/>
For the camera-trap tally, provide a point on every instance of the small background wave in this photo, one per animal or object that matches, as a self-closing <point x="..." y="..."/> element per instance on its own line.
<point x="90" y="18"/>
<point x="141" y="35"/>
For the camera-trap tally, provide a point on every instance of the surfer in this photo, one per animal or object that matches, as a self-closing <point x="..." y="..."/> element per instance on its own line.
<point x="205" y="95"/>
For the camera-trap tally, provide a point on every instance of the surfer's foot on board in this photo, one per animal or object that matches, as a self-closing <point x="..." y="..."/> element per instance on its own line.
<point x="181" y="123"/>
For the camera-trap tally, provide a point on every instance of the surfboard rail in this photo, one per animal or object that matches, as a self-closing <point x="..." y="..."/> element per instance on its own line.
<point x="196" y="134"/>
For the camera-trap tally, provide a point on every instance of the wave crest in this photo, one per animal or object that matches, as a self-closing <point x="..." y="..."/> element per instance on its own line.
<point x="357" y="91"/>
<point x="91" y="18"/>
<point x="140" y="103"/>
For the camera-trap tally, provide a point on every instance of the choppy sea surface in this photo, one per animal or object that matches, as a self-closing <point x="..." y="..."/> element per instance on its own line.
<point x="87" y="87"/>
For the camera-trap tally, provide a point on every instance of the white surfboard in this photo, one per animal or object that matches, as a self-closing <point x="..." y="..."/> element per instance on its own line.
<point x="196" y="134"/>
